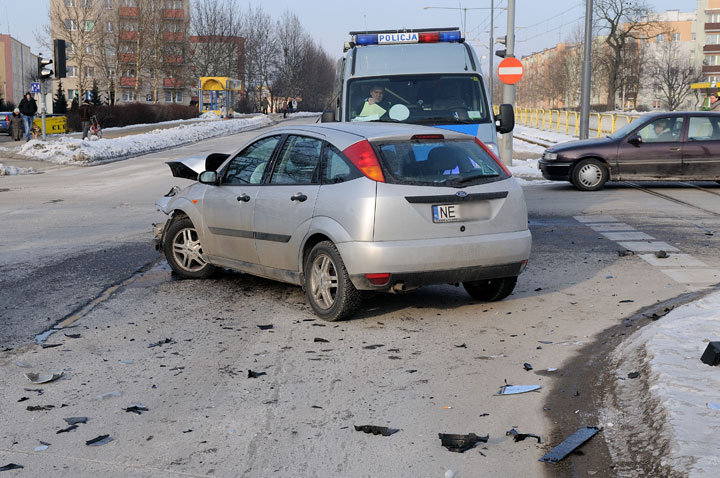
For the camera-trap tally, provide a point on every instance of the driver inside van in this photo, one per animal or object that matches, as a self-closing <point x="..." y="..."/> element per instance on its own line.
<point x="375" y="105"/>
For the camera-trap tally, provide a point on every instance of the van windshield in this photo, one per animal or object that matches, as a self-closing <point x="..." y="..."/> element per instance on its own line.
<point x="420" y="99"/>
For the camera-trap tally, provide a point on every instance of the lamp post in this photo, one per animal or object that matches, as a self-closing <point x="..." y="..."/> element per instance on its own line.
<point x="492" y="31"/>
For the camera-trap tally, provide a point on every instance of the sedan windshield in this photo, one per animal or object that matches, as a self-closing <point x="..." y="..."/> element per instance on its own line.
<point x="423" y="99"/>
<point x="455" y="163"/>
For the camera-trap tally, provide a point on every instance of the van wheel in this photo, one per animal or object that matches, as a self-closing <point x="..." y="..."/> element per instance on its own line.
<point x="490" y="290"/>
<point x="589" y="175"/>
<point x="184" y="252"/>
<point x="327" y="284"/>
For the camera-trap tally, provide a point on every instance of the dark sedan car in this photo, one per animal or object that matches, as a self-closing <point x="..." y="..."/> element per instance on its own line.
<point x="676" y="146"/>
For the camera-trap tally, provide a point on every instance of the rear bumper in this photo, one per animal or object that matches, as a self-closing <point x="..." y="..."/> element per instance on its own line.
<point x="554" y="170"/>
<point x="437" y="261"/>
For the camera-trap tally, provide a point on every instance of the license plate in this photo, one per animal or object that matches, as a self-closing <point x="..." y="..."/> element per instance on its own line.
<point x="446" y="213"/>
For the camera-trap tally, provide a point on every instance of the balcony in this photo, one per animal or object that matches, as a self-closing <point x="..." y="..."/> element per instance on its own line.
<point x="711" y="69"/>
<point x="127" y="58"/>
<point x="173" y="13"/>
<point x="712" y="27"/>
<point x="711" y="48"/>
<point x="129" y="81"/>
<point x="173" y="59"/>
<point x="171" y="36"/>
<point x="127" y="12"/>
<point x="172" y="83"/>
<point x="125" y="36"/>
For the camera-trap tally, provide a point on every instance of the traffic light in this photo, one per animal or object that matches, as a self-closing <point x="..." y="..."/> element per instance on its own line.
<point x="501" y="40"/>
<point x="44" y="70"/>
<point x="59" y="58"/>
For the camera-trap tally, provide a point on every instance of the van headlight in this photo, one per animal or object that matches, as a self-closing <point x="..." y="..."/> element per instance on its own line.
<point x="549" y="155"/>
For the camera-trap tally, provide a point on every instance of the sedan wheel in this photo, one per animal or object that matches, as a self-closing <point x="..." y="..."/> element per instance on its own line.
<point x="327" y="284"/>
<point x="589" y="175"/>
<point x="184" y="252"/>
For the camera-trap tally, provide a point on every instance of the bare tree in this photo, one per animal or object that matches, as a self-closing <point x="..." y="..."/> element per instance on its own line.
<point x="217" y="24"/>
<point x="80" y="21"/>
<point x="672" y="71"/>
<point x="620" y="22"/>
<point x="292" y="42"/>
<point x="261" y="53"/>
<point x="316" y="78"/>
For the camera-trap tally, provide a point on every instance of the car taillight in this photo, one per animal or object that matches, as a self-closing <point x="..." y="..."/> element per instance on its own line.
<point x="363" y="157"/>
<point x="493" y="156"/>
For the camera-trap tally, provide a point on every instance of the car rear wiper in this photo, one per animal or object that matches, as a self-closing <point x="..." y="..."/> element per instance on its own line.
<point x="470" y="178"/>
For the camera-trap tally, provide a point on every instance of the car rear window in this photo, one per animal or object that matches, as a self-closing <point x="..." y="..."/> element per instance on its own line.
<point x="438" y="162"/>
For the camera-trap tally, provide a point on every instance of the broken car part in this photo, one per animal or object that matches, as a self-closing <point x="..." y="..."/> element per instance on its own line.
<point x="711" y="356"/>
<point x="569" y="444"/>
<point x="99" y="440"/>
<point x="376" y="430"/>
<point x="10" y="466"/>
<point x="252" y="374"/>
<point x="521" y="436"/>
<point x="515" y="389"/>
<point x="136" y="409"/>
<point x="461" y="443"/>
<point x="75" y="420"/>
<point x="37" y="378"/>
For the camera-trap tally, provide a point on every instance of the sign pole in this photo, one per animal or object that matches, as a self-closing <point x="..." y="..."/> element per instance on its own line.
<point x="586" y="70"/>
<point x="506" y="150"/>
<point x="42" y="106"/>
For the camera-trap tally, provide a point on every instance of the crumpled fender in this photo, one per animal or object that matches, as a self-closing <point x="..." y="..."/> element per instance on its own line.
<point x="191" y="167"/>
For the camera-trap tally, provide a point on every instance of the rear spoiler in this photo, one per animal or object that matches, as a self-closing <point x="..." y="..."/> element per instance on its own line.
<point x="190" y="168"/>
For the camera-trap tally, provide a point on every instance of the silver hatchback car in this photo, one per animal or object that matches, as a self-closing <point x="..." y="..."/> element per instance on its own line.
<point x="341" y="208"/>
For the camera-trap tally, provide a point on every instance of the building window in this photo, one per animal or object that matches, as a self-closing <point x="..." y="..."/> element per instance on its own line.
<point x="675" y="37"/>
<point x="174" y="4"/>
<point x="129" y="3"/>
<point x="88" y="25"/>
<point x="108" y="4"/>
<point x="71" y="71"/>
<point x="712" y="39"/>
<point x="89" y="48"/>
<point x="178" y="96"/>
<point x="111" y="72"/>
<point x="87" y="3"/>
<point x="128" y="95"/>
<point x="129" y="73"/>
<point x="713" y="60"/>
<point x="692" y="37"/>
<point x="70" y="25"/>
<point x="68" y="48"/>
<point x="72" y="94"/>
<point x="89" y="72"/>
<point x="108" y="27"/>
<point x="714" y="18"/>
<point x="660" y="38"/>
<point x="69" y="3"/>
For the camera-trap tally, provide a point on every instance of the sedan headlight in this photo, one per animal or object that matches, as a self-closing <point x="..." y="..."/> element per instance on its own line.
<point x="549" y="155"/>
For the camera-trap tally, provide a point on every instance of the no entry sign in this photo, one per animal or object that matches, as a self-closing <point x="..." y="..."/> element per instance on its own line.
<point x="510" y="70"/>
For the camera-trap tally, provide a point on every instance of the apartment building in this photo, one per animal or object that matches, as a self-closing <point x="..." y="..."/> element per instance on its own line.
<point x="707" y="45"/>
<point x="133" y="50"/>
<point x="18" y="67"/>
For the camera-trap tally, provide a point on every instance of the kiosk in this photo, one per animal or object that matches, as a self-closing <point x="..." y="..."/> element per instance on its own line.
<point x="218" y="94"/>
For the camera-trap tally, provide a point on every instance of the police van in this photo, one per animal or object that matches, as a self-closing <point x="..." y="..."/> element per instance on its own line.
<point x="420" y="76"/>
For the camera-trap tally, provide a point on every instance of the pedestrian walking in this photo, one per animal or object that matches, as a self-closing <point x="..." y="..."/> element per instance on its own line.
<point x="85" y="114"/>
<point x="16" y="124"/>
<point x="28" y="108"/>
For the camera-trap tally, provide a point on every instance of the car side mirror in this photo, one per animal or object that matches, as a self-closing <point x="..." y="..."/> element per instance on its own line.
<point x="505" y="120"/>
<point x="635" y="139"/>
<point x="327" y="117"/>
<point x="209" y="177"/>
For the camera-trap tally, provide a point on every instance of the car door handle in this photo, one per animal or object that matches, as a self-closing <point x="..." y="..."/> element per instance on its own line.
<point x="243" y="197"/>
<point x="298" y="197"/>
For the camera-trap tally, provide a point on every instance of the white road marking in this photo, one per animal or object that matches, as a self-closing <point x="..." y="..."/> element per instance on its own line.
<point x="611" y="227"/>
<point x="627" y="236"/>
<point x="652" y="246"/>
<point x="592" y="219"/>
<point x="673" y="260"/>
<point x="694" y="276"/>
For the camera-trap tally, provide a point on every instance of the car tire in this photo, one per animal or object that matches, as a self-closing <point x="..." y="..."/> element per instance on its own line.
<point x="183" y="250"/>
<point x="329" y="290"/>
<point x="589" y="175"/>
<point x="490" y="290"/>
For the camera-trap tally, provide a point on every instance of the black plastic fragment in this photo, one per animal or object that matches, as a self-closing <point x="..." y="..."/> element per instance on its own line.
<point x="321" y="340"/>
<point x="661" y="254"/>
<point x="625" y="253"/>
<point x="68" y="429"/>
<point x="633" y="374"/>
<point x="376" y="430"/>
<point x="521" y="436"/>
<point x="373" y="347"/>
<point x="626" y="301"/>
<point x="160" y="343"/>
<point x="136" y="409"/>
<point x="569" y="444"/>
<point x="527" y="367"/>
<point x="461" y="443"/>
<point x="73" y="336"/>
<point x="49" y="346"/>
<point x="22" y="399"/>
<point x="37" y="408"/>
<point x="462" y="346"/>
<point x="99" y="440"/>
<point x="252" y="374"/>
<point x="265" y="327"/>
<point x="11" y="466"/>
<point x="75" y="420"/>
<point x="711" y="356"/>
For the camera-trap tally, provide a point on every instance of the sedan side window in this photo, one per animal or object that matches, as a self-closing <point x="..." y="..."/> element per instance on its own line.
<point x="337" y="168"/>
<point x="702" y="128"/>
<point x="298" y="161"/>
<point x="662" y="130"/>
<point x="249" y="165"/>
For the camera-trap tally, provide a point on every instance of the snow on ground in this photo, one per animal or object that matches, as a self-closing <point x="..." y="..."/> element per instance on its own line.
<point x="535" y="134"/>
<point x="526" y="171"/>
<point x="12" y="170"/>
<point x="75" y="151"/>
<point x="681" y="384"/>
<point x="303" y="114"/>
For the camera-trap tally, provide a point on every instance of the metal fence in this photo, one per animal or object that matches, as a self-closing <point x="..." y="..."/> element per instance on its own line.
<point x="568" y="122"/>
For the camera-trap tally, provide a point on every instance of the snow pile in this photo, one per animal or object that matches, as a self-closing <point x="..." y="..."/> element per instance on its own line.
<point x="76" y="151"/>
<point x="12" y="170"/>
<point x="210" y="115"/>
<point x="303" y="114"/>
<point x="535" y="134"/>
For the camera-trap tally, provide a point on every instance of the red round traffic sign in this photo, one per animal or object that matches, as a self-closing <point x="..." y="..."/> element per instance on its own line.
<point x="510" y="70"/>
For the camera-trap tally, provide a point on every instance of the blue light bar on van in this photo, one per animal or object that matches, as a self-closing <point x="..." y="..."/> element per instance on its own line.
<point x="390" y="38"/>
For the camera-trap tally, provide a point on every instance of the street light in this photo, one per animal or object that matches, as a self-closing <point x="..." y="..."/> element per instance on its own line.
<point x="492" y="29"/>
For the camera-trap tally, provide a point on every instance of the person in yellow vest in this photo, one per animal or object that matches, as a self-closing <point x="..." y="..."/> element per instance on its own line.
<point x="375" y="105"/>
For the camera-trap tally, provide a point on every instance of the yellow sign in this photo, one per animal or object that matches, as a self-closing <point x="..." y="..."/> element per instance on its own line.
<point x="53" y="124"/>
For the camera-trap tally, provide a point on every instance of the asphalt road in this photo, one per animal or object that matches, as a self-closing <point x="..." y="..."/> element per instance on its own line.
<point x="75" y="250"/>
